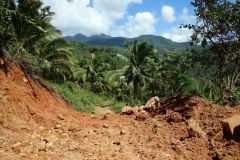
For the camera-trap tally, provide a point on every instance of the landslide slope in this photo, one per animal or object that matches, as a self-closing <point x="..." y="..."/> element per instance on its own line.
<point x="36" y="124"/>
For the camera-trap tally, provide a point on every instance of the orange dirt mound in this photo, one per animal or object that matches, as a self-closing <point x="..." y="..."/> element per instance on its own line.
<point x="36" y="124"/>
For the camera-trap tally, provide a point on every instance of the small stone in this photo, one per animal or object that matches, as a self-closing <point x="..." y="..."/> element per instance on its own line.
<point x="106" y="116"/>
<point x="123" y="132"/>
<point x="51" y="138"/>
<point x="58" y="126"/>
<point x="127" y="110"/>
<point x="16" y="144"/>
<point x="45" y="140"/>
<point x="60" y="117"/>
<point x="25" y="80"/>
<point x="36" y="137"/>
<point x="1" y="62"/>
<point x="49" y="146"/>
<point x="105" y="125"/>
<point x="116" y="142"/>
<point x="74" y="128"/>
<point x="42" y="146"/>
<point x="16" y="150"/>
<point x="41" y="128"/>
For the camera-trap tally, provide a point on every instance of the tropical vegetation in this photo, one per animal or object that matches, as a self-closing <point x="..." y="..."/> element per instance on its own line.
<point x="87" y="75"/>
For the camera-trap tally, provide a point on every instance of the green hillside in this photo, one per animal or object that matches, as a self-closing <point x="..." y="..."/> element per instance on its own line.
<point x="163" y="45"/>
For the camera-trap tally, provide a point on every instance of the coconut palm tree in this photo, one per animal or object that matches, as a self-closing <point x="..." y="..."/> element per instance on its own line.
<point x="7" y="9"/>
<point x="23" y="23"/>
<point x="54" y="58"/>
<point x="136" y="71"/>
<point x="188" y="85"/>
<point x="92" y="72"/>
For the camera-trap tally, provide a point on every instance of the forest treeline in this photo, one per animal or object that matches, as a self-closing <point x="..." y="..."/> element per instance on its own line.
<point x="132" y="75"/>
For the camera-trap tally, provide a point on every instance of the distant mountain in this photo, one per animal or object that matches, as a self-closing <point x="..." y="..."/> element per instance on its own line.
<point x="160" y="43"/>
<point x="77" y="37"/>
<point x="83" y="38"/>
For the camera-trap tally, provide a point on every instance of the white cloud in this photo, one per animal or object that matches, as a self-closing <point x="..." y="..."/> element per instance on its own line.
<point x="82" y="16"/>
<point x="168" y="14"/>
<point x="184" y="16"/>
<point x="177" y="34"/>
<point x="140" y="24"/>
<point x="180" y="34"/>
<point x="113" y="9"/>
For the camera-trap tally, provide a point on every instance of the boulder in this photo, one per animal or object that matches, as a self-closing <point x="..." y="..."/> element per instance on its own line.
<point x="141" y="108"/>
<point x="152" y="104"/>
<point x="231" y="126"/>
<point x="135" y="109"/>
<point x="141" y="116"/>
<point x="127" y="110"/>
<point x="194" y="129"/>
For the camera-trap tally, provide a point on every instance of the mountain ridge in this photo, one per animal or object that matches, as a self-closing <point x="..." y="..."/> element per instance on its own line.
<point x="159" y="42"/>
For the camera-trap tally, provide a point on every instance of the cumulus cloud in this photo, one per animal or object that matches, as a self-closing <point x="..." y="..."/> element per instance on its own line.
<point x="113" y="9"/>
<point x="177" y="34"/>
<point x="168" y="14"/>
<point x="184" y="16"/>
<point x="86" y="16"/>
<point x="140" y="24"/>
<point x="180" y="34"/>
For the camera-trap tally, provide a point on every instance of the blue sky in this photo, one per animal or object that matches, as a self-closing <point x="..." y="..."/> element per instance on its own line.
<point x="123" y="18"/>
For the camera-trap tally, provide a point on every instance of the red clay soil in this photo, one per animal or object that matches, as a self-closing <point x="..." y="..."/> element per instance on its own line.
<point x="37" y="125"/>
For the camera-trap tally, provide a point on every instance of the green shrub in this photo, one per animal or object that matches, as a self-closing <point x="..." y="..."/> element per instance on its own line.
<point x="83" y="100"/>
<point x="117" y="107"/>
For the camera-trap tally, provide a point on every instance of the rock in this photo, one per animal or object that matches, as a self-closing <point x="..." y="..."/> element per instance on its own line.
<point x="106" y="115"/>
<point x="174" y="117"/>
<point x="58" y="126"/>
<point x="49" y="146"/>
<point x="36" y="137"/>
<point x="135" y="109"/>
<point x="25" y="80"/>
<point x="41" y="128"/>
<point x="42" y="146"/>
<point x="74" y="128"/>
<point x="92" y="116"/>
<point x="116" y="142"/>
<point x="16" y="144"/>
<point x="60" y="117"/>
<point x="232" y="127"/>
<point x="1" y="61"/>
<point x="109" y="112"/>
<point x="16" y="150"/>
<point x="51" y="138"/>
<point x="141" y="108"/>
<point x="141" y="116"/>
<point x="123" y="132"/>
<point x="152" y="104"/>
<point x="105" y="126"/>
<point x="194" y="129"/>
<point x="127" y="110"/>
